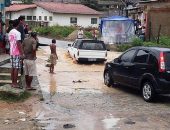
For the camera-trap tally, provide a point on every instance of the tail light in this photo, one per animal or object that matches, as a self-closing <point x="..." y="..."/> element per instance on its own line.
<point x="78" y="53"/>
<point x="161" y="62"/>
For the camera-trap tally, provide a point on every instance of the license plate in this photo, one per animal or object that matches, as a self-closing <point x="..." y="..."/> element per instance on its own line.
<point x="91" y="59"/>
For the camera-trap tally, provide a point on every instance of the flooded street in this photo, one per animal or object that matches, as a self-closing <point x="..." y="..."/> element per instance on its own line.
<point x="76" y="98"/>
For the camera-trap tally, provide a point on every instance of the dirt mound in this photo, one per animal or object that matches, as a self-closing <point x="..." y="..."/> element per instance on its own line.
<point x="72" y="36"/>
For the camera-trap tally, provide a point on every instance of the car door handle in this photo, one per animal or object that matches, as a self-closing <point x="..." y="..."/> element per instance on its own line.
<point x="126" y="67"/>
<point x="143" y="68"/>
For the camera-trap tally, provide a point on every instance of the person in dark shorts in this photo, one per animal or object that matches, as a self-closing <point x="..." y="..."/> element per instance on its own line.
<point x="53" y="55"/>
<point x="29" y="48"/>
<point x="16" y="52"/>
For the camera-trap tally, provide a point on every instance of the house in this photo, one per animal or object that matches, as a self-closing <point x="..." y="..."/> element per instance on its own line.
<point x="53" y="13"/>
<point x="156" y="15"/>
<point x="16" y="2"/>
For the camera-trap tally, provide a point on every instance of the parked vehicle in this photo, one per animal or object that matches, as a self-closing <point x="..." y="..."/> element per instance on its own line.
<point x="143" y="68"/>
<point x="88" y="50"/>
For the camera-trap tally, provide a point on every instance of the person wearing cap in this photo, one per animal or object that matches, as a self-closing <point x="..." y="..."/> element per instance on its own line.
<point x="29" y="49"/>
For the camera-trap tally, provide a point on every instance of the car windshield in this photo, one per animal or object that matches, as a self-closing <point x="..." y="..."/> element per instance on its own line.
<point x="93" y="46"/>
<point x="167" y="60"/>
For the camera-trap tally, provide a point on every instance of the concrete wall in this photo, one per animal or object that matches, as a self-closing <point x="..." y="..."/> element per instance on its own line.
<point x="82" y="20"/>
<point x="158" y="14"/>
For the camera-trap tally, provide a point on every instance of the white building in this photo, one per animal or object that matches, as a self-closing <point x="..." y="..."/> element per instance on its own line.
<point x="62" y="14"/>
<point x="16" y="2"/>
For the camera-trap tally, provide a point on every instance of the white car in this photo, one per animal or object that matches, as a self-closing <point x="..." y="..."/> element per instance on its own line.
<point x="88" y="50"/>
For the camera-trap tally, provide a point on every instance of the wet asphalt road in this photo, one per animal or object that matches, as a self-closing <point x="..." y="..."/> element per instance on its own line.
<point x="76" y="97"/>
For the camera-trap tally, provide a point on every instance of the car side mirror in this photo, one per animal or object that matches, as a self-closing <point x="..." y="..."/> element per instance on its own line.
<point x="116" y="60"/>
<point x="69" y="45"/>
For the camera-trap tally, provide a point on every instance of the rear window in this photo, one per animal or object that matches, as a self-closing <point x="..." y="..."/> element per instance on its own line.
<point x="93" y="46"/>
<point x="167" y="60"/>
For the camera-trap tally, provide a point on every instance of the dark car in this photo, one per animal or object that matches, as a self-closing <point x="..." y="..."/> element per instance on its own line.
<point x="143" y="68"/>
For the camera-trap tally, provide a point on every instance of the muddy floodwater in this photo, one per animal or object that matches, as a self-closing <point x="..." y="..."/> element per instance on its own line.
<point x="76" y="98"/>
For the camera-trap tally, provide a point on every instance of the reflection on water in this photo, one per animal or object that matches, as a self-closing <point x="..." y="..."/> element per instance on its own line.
<point x="52" y="85"/>
<point x="110" y="122"/>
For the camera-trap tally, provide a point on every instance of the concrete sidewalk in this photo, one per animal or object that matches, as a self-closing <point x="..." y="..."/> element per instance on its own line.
<point x="4" y="58"/>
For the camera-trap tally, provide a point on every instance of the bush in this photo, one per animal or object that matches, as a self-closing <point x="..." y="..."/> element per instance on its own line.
<point x="137" y="42"/>
<point x="164" y="40"/>
<point x="88" y="35"/>
<point x="55" y="31"/>
<point x="123" y="47"/>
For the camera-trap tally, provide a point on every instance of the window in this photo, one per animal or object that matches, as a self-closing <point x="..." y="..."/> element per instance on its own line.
<point x="93" y="20"/>
<point x="77" y="43"/>
<point x="50" y="18"/>
<point x="167" y="59"/>
<point x="34" y="17"/>
<point x="45" y="18"/>
<point x="127" y="57"/>
<point x="153" y="61"/>
<point x="92" y="46"/>
<point x="29" y="17"/>
<point x="73" y="20"/>
<point x="40" y="18"/>
<point x="141" y="57"/>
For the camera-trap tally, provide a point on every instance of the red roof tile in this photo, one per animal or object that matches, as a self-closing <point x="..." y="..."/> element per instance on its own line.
<point x="66" y="8"/>
<point x="18" y="7"/>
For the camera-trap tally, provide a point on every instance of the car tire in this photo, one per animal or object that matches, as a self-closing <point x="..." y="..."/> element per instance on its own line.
<point x="148" y="91"/>
<point x="107" y="79"/>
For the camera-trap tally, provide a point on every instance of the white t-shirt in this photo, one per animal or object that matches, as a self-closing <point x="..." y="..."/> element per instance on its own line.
<point x="80" y="34"/>
<point x="14" y="36"/>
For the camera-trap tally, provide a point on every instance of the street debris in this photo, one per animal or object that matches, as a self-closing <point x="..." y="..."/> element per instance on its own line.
<point x="67" y="126"/>
<point x="130" y="122"/>
<point x="79" y="81"/>
<point x="22" y="113"/>
<point x="23" y="119"/>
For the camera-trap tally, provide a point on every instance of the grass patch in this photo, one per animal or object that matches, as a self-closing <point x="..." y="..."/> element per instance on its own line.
<point x="61" y="32"/>
<point x="163" y="42"/>
<point x="55" y="31"/>
<point x="10" y="97"/>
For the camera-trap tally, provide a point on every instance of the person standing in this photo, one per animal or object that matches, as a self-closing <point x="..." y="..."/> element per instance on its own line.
<point x="16" y="52"/>
<point x="21" y="27"/>
<point x="80" y="33"/>
<point x="29" y="48"/>
<point x="53" y="56"/>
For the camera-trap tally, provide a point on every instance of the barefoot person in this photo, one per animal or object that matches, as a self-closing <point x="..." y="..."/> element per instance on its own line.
<point x="16" y="52"/>
<point x="53" y="56"/>
<point x="29" y="48"/>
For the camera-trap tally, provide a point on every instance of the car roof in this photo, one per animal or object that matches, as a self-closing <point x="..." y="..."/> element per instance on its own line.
<point x="160" y="49"/>
<point x="86" y="40"/>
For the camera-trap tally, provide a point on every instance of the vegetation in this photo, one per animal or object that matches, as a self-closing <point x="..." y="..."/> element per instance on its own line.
<point x="61" y="32"/>
<point x="163" y="42"/>
<point x="10" y="97"/>
<point x="55" y="31"/>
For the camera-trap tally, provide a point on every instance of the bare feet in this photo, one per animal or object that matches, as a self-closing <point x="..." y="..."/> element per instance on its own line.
<point x="30" y="88"/>
<point x="15" y="86"/>
<point x="52" y="72"/>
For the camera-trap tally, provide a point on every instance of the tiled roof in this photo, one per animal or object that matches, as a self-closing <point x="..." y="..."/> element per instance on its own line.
<point x="18" y="7"/>
<point x="66" y="8"/>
